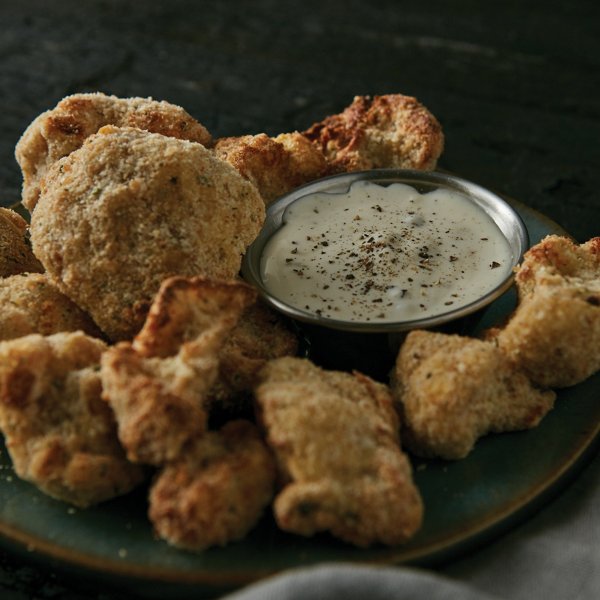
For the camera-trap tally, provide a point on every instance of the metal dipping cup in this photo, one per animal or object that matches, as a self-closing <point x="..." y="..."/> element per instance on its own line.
<point x="324" y="331"/>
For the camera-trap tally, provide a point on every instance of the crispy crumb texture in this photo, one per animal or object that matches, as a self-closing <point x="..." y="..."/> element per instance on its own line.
<point x="389" y="131"/>
<point x="554" y="334"/>
<point x="129" y="209"/>
<point x="158" y="385"/>
<point x="275" y="166"/>
<point x="216" y="490"/>
<point x="60" y="434"/>
<point x="16" y="255"/>
<point x="260" y="335"/>
<point x="58" y="132"/>
<point x="335" y="438"/>
<point x="31" y="303"/>
<point x="451" y="390"/>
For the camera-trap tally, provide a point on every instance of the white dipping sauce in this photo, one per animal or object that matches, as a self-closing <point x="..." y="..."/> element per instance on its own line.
<point x="384" y="254"/>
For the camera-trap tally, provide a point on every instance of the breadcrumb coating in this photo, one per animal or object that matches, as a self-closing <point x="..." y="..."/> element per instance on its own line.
<point x="16" y="255"/>
<point x="554" y="334"/>
<point x="59" y="433"/>
<point x="390" y="131"/>
<point x="275" y="166"/>
<point x="33" y="304"/>
<point x="216" y="491"/>
<point x="335" y="439"/>
<point x="58" y="132"/>
<point x="129" y="209"/>
<point x="451" y="390"/>
<point x="157" y="386"/>
<point x="260" y="335"/>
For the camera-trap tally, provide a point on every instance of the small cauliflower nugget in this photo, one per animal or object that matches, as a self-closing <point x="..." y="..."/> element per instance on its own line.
<point x="59" y="432"/>
<point x="158" y="385"/>
<point x="216" y="491"/>
<point x="335" y="439"/>
<point x="451" y="390"/>
<point x="554" y="334"/>
<point x="275" y="166"/>
<point x="16" y="255"/>
<point x="391" y="131"/>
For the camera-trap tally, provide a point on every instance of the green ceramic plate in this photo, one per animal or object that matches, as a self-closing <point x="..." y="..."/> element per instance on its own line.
<point x="467" y="503"/>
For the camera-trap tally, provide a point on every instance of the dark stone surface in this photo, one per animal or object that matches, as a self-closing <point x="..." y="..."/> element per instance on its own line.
<point x="516" y="87"/>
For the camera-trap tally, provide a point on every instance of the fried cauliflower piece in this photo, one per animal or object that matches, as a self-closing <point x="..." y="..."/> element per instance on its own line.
<point x="216" y="491"/>
<point x="335" y="439"/>
<point x="16" y="255"/>
<point x="391" y="131"/>
<point x="60" y="131"/>
<point x="130" y="209"/>
<point x="554" y="334"/>
<point x="451" y="390"/>
<point x="59" y="433"/>
<point x="32" y="304"/>
<point x="157" y="386"/>
<point x="259" y="336"/>
<point x="275" y="166"/>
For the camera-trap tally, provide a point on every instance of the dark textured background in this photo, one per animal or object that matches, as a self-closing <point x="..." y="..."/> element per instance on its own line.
<point x="515" y="85"/>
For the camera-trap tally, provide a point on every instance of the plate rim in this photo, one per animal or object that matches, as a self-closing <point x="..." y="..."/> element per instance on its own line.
<point x="43" y="550"/>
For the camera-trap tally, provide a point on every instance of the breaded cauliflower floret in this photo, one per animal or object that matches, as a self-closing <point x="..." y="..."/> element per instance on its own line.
<point x="216" y="491"/>
<point x="390" y="131"/>
<point x="554" y="334"/>
<point x="158" y="385"/>
<point x="275" y="166"/>
<point x="32" y="304"/>
<point x="259" y="336"/>
<point x="129" y="209"/>
<point x="335" y="439"/>
<point x="16" y="255"/>
<point x="451" y="390"/>
<point x="60" y="131"/>
<point x="59" y="432"/>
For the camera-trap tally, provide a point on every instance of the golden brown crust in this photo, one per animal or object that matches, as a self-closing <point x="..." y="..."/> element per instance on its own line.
<point x="185" y="308"/>
<point x="32" y="304"/>
<point x="554" y="334"/>
<point x="60" y="131"/>
<point x="335" y="439"/>
<point x="390" y="131"/>
<point x="129" y="209"/>
<point x="157" y="386"/>
<point x="275" y="166"/>
<point x="260" y="335"/>
<point x="451" y="390"/>
<point x="216" y="491"/>
<point x="556" y="259"/>
<point x="16" y="255"/>
<point x="60" y="435"/>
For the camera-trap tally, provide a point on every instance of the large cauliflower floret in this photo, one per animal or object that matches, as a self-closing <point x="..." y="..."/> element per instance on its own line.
<point x="130" y="209"/>
<point x="58" y="132"/>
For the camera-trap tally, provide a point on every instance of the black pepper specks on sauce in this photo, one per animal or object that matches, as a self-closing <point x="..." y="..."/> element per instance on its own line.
<point x="403" y="255"/>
